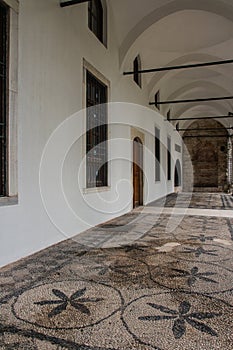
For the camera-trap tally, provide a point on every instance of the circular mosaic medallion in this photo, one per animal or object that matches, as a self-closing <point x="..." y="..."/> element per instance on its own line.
<point x="115" y="269"/>
<point x="203" y="252"/>
<point x="169" y="321"/>
<point x="67" y="305"/>
<point x="193" y="277"/>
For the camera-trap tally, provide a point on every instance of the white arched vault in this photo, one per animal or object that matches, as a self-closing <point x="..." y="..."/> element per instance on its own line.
<point x="181" y="32"/>
<point x="197" y="89"/>
<point x="192" y="110"/>
<point x="158" y="77"/>
<point x="201" y="106"/>
<point x="212" y="6"/>
<point x="217" y="106"/>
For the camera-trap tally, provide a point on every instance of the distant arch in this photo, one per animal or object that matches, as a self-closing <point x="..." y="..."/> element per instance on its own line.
<point x="208" y="154"/>
<point x="177" y="175"/>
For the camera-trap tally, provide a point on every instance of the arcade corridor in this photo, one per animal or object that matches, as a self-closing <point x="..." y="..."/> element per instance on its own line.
<point x="116" y="174"/>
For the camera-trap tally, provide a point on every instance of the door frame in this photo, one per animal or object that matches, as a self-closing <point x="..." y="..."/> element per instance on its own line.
<point x="138" y="173"/>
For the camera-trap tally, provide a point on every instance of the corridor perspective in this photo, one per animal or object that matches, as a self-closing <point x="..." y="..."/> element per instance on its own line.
<point x="116" y="174"/>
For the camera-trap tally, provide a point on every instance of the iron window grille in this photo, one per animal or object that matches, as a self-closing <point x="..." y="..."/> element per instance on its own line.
<point x="157" y="99"/>
<point x="157" y="154"/>
<point x="97" y="133"/>
<point x="137" y="77"/>
<point x="168" y="158"/>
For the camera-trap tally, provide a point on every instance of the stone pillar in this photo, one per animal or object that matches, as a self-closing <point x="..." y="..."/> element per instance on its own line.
<point x="187" y="170"/>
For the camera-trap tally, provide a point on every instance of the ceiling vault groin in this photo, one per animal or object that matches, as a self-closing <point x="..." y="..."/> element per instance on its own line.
<point x="188" y="73"/>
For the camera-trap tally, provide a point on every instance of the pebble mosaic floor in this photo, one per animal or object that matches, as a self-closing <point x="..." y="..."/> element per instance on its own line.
<point x="196" y="200"/>
<point x="142" y="281"/>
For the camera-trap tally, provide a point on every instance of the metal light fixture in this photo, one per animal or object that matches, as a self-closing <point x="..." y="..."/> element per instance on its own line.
<point x="65" y="3"/>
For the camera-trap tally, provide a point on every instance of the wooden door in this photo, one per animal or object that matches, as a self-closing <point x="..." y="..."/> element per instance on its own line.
<point x="137" y="172"/>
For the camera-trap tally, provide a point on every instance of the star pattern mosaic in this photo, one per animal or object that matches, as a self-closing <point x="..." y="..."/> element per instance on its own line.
<point x="113" y="288"/>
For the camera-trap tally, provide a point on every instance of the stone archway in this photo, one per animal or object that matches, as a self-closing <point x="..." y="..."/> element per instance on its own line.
<point x="208" y="155"/>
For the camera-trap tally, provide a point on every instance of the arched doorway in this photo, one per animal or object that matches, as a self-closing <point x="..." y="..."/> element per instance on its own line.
<point x="177" y="176"/>
<point x="137" y="172"/>
<point x="206" y="146"/>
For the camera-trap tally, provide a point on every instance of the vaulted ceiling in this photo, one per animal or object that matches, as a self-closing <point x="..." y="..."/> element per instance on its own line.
<point x="179" y="32"/>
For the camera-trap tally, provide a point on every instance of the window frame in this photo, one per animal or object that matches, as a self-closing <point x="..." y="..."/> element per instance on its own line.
<point x="11" y="193"/>
<point x="169" y="158"/>
<point x="137" y="66"/>
<point x="4" y="120"/>
<point x="157" y="99"/>
<point x="157" y="139"/>
<point x="98" y="18"/>
<point x="91" y="135"/>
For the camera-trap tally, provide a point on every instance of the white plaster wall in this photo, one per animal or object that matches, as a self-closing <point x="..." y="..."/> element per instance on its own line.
<point x="52" y="45"/>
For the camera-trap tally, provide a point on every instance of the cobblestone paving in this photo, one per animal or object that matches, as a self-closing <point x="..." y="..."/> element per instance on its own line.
<point x="196" y="200"/>
<point x="142" y="281"/>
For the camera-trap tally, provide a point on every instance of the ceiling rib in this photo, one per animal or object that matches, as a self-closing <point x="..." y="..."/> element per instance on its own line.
<point x="71" y="2"/>
<point x="192" y="100"/>
<point x="189" y="136"/>
<point x="187" y="66"/>
<point x="204" y="129"/>
<point x="196" y="118"/>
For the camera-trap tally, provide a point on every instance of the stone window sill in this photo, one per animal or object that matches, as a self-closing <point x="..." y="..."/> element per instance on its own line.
<point x="7" y="201"/>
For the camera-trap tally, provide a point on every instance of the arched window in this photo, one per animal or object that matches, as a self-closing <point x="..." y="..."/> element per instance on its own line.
<point x="169" y="159"/>
<point x="157" y="100"/>
<point x="96" y="18"/>
<point x="137" y="67"/>
<point x="157" y="154"/>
